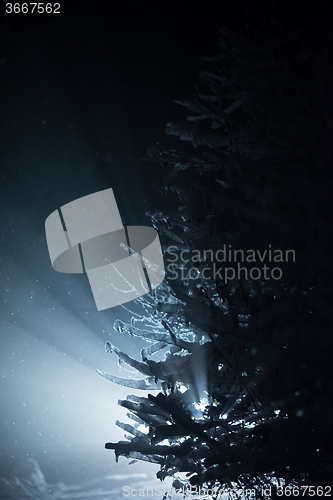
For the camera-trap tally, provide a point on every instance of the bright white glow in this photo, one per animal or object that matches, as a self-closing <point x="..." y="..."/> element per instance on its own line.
<point x="201" y="405"/>
<point x="182" y="388"/>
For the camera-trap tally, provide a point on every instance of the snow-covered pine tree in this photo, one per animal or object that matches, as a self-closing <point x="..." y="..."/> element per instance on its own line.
<point x="246" y="385"/>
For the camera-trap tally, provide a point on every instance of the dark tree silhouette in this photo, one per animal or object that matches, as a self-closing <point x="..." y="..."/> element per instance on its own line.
<point x="246" y="386"/>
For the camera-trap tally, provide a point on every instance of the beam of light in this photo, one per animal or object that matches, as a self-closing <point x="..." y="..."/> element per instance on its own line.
<point x="54" y="406"/>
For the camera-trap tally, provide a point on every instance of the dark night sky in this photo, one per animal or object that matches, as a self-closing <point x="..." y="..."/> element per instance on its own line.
<point x="82" y="97"/>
